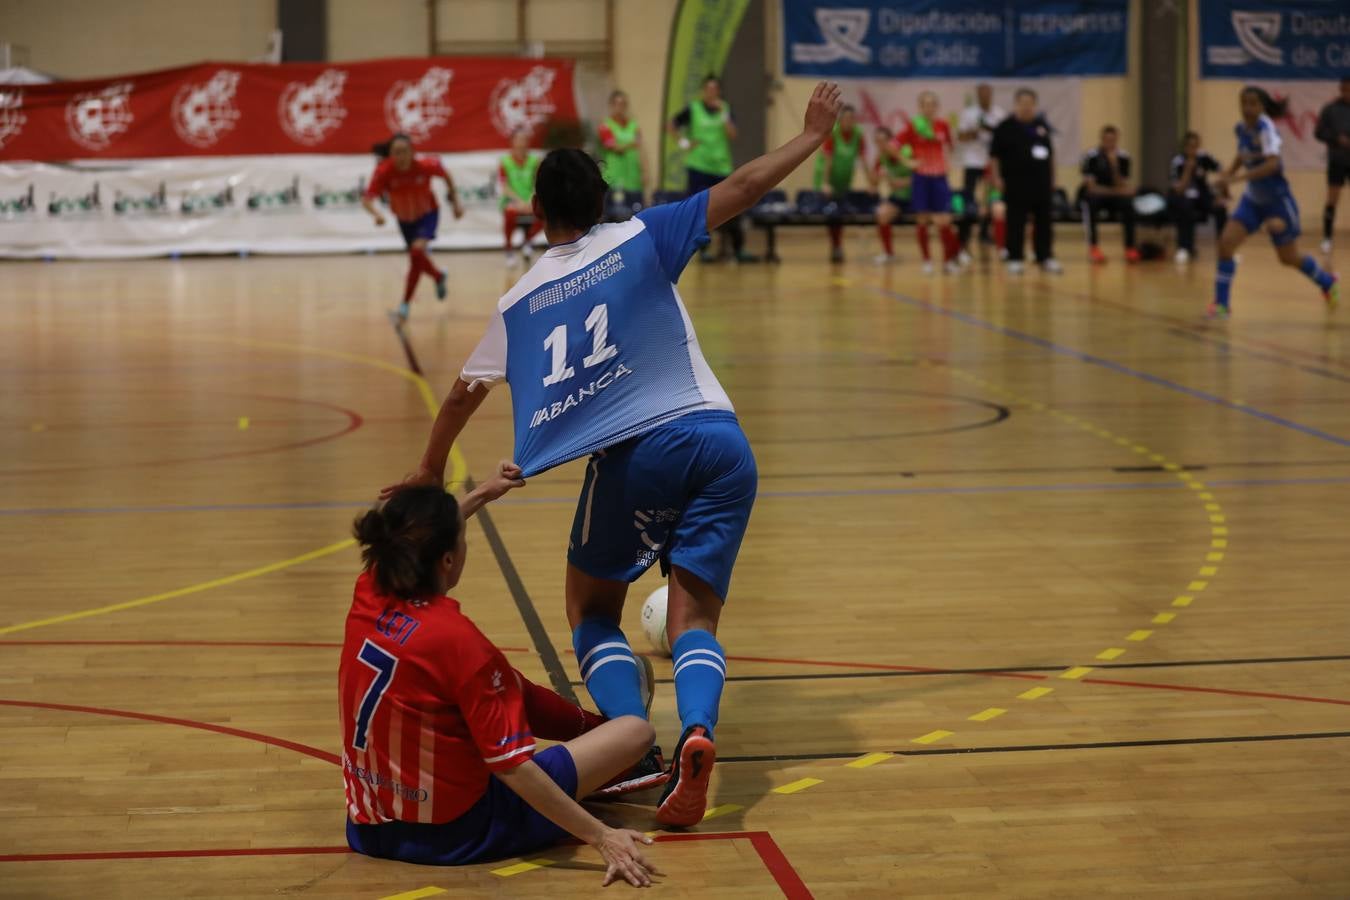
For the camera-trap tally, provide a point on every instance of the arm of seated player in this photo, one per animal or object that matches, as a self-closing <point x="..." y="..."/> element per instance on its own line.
<point x="744" y="187"/>
<point x="504" y="479"/>
<point x="618" y="846"/>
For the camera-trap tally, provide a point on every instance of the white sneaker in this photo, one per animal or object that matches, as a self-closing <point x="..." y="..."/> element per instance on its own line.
<point x="951" y="267"/>
<point x="1052" y="267"/>
<point x="1015" y="267"/>
<point x="964" y="259"/>
<point x="885" y="259"/>
<point x="1326" y="247"/>
<point x="927" y="268"/>
<point x="1003" y="253"/>
<point x="1183" y="256"/>
<point x="512" y="259"/>
<point x="526" y="253"/>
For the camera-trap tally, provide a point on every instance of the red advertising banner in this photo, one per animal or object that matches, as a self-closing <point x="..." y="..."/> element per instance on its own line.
<point x="447" y="104"/>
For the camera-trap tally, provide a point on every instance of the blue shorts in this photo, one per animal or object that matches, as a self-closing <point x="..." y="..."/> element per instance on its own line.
<point x="930" y="194"/>
<point x="499" y="825"/>
<point x="1252" y="214"/>
<point x="423" y="228"/>
<point x="681" y="494"/>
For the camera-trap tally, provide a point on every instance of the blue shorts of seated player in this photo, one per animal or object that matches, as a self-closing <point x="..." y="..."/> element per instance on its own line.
<point x="498" y="826"/>
<point x="680" y="494"/>
<point x="1252" y="214"/>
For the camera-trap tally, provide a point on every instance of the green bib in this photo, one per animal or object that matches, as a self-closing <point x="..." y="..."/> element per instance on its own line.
<point x="712" y="148"/>
<point x="898" y="167"/>
<point x="622" y="168"/>
<point x="845" y="157"/>
<point x="519" y="176"/>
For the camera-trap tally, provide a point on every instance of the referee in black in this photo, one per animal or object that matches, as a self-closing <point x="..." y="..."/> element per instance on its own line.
<point x="1026" y="174"/>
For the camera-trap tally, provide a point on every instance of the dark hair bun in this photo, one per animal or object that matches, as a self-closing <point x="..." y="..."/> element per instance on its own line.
<point x="403" y="539"/>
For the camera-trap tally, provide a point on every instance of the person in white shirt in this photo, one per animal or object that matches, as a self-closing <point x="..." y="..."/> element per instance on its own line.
<point x="974" y="132"/>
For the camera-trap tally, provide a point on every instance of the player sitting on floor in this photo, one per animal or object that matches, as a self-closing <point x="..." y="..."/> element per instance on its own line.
<point x="438" y="730"/>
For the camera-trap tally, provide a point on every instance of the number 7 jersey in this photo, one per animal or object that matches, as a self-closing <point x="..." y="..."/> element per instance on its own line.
<point x="595" y="341"/>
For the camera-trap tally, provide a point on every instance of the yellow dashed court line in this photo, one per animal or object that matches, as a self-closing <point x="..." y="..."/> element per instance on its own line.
<point x="932" y="737"/>
<point x="869" y="760"/>
<point x="1197" y="586"/>
<point x="1033" y="693"/>
<point x="992" y="712"/>
<point x="1141" y="634"/>
<point x="1163" y="618"/>
<point x="528" y="865"/>
<point x="1183" y="601"/>
<point x="417" y="894"/>
<point x="1076" y="672"/>
<point x="243" y="423"/>
<point x="725" y="809"/>
<point x="1111" y="653"/>
<point x="800" y="784"/>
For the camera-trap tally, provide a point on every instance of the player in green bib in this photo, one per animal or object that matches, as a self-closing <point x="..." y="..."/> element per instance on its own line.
<point x="891" y="179"/>
<point x="841" y="153"/>
<point x="706" y="131"/>
<point x="621" y="148"/>
<point x="516" y="176"/>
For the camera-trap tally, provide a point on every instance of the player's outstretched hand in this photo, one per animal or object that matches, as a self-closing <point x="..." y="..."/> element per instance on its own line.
<point x="623" y="859"/>
<point x="420" y="477"/>
<point x="822" y="110"/>
<point x="458" y="208"/>
<point x="507" y="477"/>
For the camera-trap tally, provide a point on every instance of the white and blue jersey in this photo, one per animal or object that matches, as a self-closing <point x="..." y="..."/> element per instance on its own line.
<point x="595" y="342"/>
<point x="1269" y="197"/>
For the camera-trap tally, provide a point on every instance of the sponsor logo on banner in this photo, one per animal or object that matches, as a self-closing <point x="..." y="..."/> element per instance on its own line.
<point x="153" y="204"/>
<point x="418" y="108"/>
<point x="78" y="206"/>
<point x="1256" y="32"/>
<point x="94" y="118"/>
<point x="1273" y="39"/>
<point x="340" y="199"/>
<point x="195" y="204"/>
<point x="284" y="200"/>
<point x="21" y="205"/>
<point x="522" y="103"/>
<point x="309" y="111"/>
<point x="843" y="32"/>
<point x="203" y="112"/>
<point x="11" y="114"/>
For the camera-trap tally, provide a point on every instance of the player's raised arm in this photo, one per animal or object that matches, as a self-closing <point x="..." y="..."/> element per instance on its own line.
<point x="744" y="187"/>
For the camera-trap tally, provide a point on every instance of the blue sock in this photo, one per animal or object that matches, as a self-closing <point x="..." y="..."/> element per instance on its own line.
<point x="608" y="667"/>
<point x="700" y="670"/>
<point x="1310" y="268"/>
<point x="1223" y="281"/>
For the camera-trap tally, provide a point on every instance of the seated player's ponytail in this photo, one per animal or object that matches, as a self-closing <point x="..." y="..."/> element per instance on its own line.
<point x="383" y="147"/>
<point x="570" y="189"/>
<point x="402" y="540"/>
<point x="1274" y="108"/>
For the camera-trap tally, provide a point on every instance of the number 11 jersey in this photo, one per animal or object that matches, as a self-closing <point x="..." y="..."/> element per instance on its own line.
<point x="595" y="341"/>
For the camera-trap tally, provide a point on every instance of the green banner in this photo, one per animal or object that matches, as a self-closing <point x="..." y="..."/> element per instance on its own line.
<point x="699" y="44"/>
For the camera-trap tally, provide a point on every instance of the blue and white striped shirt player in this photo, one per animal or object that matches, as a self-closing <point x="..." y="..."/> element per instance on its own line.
<point x="595" y="341"/>
<point x="1268" y="197"/>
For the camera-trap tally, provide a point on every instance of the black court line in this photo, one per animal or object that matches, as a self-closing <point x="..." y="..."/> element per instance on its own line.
<point x="407" y="349"/>
<point x="548" y="654"/>
<point x="1001" y="670"/>
<point x="1043" y="470"/>
<point x="1032" y="748"/>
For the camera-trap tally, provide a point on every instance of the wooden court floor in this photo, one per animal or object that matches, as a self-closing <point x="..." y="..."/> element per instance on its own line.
<point x="1046" y="594"/>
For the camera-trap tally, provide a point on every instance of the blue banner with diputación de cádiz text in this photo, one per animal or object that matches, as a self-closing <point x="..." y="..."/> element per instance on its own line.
<point x="1298" y="40"/>
<point x="954" y="38"/>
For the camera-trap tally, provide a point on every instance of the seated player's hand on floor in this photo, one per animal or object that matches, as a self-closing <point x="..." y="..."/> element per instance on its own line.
<point x="623" y="858"/>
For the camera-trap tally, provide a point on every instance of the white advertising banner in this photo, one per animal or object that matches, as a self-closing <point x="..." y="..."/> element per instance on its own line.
<point x="891" y="102"/>
<point x="224" y="204"/>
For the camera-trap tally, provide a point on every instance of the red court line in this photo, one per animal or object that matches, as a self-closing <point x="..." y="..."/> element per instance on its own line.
<point x="185" y="723"/>
<point x="775" y="860"/>
<point x="1210" y="690"/>
<point x="306" y="644"/>
<point x="354" y="421"/>
<point x="881" y="667"/>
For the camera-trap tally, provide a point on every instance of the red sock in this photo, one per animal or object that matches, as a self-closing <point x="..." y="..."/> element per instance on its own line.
<point x="923" y="241"/>
<point x="414" y="273"/>
<point x="1000" y="233"/>
<point x="836" y="235"/>
<point x="509" y="225"/>
<point x="950" y="244"/>
<point x="553" y="718"/>
<point x="885" y="232"/>
<point x="422" y="260"/>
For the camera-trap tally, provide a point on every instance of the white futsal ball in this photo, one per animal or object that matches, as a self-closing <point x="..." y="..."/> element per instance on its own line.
<point x="654" y="620"/>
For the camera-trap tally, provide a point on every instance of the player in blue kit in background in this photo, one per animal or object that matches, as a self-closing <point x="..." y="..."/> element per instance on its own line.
<point x="602" y="360"/>
<point x="1267" y="201"/>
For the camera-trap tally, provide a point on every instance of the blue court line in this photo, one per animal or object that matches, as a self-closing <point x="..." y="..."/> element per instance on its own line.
<point x="1113" y="366"/>
<point x="1070" y="487"/>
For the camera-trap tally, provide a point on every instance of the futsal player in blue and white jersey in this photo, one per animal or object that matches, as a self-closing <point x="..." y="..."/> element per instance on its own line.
<point x="1267" y="201"/>
<point x="602" y="360"/>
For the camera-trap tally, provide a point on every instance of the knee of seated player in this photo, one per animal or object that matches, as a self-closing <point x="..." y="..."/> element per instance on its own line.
<point x="635" y="734"/>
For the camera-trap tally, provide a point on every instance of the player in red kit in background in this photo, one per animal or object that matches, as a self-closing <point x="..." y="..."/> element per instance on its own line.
<point x="929" y="138"/>
<point x="438" y="730"/>
<point x="405" y="180"/>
